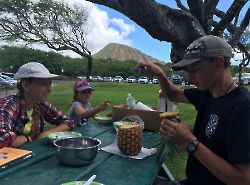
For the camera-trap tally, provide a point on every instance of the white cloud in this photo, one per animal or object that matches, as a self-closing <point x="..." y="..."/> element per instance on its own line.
<point x="104" y="30"/>
<point x="101" y="29"/>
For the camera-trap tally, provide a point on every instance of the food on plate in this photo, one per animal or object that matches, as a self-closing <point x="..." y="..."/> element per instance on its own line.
<point x="129" y="139"/>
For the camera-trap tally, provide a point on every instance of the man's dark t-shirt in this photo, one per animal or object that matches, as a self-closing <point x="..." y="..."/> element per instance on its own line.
<point x="223" y="125"/>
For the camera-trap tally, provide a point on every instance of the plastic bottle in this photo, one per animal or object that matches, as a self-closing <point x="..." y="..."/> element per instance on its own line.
<point x="162" y="102"/>
<point x="130" y="101"/>
<point x="170" y="106"/>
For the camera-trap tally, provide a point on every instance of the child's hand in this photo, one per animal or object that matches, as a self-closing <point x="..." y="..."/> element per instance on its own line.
<point x="107" y="102"/>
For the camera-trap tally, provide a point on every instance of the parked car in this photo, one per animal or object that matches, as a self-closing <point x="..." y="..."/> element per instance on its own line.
<point x="143" y="79"/>
<point x="186" y="82"/>
<point x="176" y="79"/>
<point x="246" y="81"/>
<point x="118" y="79"/>
<point x="82" y="77"/>
<point x="14" y="82"/>
<point x="155" y="81"/>
<point x="131" y="79"/>
<point x="150" y="81"/>
<point x="244" y="78"/>
<point x="8" y="74"/>
<point x="6" y="83"/>
<point x="107" y="79"/>
<point x="96" y="79"/>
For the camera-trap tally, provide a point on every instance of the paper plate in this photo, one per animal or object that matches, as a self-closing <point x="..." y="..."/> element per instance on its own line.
<point x="81" y="182"/>
<point x="56" y="135"/>
<point x="103" y="119"/>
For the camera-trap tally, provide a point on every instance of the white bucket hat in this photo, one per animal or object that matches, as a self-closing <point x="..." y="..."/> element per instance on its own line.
<point x="33" y="70"/>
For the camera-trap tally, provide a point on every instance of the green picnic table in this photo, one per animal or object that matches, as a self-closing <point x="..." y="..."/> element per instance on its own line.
<point x="110" y="169"/>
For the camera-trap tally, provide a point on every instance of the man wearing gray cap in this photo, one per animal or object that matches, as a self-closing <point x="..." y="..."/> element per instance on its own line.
<point x="219" y="147"/>
<point x="22" y="116"/>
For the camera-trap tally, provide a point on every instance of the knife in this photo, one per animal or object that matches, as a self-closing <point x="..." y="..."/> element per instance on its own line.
<point x="90" y="180"/>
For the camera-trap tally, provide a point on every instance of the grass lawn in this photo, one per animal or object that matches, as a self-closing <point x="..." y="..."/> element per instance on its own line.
<point x="61" y="97"/>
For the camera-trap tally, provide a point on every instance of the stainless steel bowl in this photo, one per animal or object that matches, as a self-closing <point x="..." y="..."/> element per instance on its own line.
<point x="76" y="151"/>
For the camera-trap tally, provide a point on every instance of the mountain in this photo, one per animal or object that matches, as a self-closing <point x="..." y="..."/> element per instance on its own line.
<point x="114" y="51"/>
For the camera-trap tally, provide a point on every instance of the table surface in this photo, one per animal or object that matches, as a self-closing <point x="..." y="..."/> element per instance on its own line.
<point x="44" y="168"/>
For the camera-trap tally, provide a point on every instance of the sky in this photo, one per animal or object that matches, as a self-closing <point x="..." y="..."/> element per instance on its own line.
<point x="109" y="26"/>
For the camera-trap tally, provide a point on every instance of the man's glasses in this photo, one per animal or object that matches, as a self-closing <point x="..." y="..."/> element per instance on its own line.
<point x="195" y="68"/>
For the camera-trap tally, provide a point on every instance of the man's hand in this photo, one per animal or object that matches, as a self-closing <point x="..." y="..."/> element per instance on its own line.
<point x="148" y="68"/>
<point x="177" y="133"/>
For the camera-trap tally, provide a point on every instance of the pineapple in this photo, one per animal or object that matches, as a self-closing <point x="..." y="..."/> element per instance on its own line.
<point x="174" y="116"/>
<point x="129" y="139"/>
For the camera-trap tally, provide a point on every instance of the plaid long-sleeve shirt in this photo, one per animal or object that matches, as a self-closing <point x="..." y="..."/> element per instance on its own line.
<point x="13" y="117"/>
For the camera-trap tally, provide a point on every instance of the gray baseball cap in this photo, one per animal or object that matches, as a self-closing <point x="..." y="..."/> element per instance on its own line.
<point x="33" y="70"/>
<point x="204" y="47"/>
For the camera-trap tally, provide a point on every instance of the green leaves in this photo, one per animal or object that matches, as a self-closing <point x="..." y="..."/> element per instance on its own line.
<point x="53" y="23"/>
<point x="49" y="22"/>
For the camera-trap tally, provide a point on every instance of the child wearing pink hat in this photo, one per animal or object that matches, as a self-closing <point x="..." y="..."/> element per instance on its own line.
<point x="81" y="110"/>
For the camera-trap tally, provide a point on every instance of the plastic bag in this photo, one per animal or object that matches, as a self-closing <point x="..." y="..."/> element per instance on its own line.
<point x="134" y="118"/>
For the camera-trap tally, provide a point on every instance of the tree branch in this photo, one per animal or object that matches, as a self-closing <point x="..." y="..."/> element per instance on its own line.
<point x="115" y="4"/>
<point x="210" y="7"/>
<point x="229" y="16"/>
<point x="159" y="20"/>
<point x="244" y="50"/>
<point x="47" y="22"/>
<point x="237" y="35"/>
<point x="232" y="29"/>
<point x="181" y="6"/>
<point x="197" y="10"/>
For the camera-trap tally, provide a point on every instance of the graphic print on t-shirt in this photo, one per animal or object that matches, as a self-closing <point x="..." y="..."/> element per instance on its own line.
<point x="211" y="125"/>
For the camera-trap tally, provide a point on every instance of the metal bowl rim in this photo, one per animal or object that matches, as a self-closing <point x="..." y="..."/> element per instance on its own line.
<point x="78" y="148"/>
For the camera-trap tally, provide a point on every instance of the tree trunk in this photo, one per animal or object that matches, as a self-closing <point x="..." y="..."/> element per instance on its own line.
<point x="89" y="66"/>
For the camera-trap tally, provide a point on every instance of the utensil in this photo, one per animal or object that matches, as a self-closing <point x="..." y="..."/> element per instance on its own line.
<point x="76" y="151"/>
<point x="90" y="180"/>
<point x="81" y="183"/>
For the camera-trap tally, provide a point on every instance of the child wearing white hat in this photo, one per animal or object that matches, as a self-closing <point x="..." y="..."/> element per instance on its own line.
<point x="22" y="116"/>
